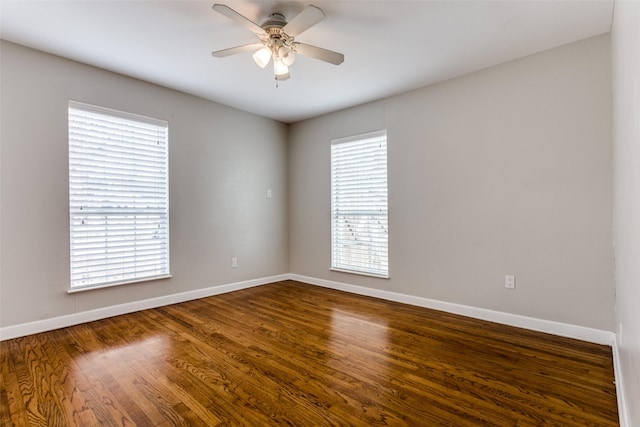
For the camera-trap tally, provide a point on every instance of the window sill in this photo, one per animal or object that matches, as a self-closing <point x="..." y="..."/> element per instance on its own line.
<point x="75" y="289"/>
<point x="360" y="273"/>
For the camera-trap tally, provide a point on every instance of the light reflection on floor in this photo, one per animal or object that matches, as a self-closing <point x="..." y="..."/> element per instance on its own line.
<point x="358" y="336"/>
<point x="126" y="357"/>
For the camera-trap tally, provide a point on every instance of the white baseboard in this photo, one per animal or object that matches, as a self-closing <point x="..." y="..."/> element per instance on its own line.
<point x="15" y="331"/>
<point x="623" y="410"/>
<point x="556" y="328"/>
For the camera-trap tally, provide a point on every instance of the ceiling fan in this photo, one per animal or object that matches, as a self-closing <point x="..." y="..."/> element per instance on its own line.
<point x="277" y="39"/>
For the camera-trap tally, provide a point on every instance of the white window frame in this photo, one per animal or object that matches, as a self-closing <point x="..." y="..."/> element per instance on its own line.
<point x="359" y="205"/>
<point x="118" y="197"/>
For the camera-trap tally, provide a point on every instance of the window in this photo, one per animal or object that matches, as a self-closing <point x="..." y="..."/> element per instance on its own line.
<point x="118" y="197"/>
<point x="359" y="213"/>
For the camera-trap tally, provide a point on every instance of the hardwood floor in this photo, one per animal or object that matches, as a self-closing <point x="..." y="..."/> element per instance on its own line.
<point x="295" y="354"/>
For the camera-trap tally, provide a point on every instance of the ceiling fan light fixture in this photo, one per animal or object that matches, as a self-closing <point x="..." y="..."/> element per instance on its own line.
<point x="277" y="37"/>
<point x="262" y="56"/>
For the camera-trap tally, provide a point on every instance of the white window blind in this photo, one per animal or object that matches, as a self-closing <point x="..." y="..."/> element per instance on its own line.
<point x="118" y="197"/>
<point x="359" y="212"/>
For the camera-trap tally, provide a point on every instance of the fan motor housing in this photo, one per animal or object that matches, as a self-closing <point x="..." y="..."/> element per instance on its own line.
<point x="275" y="22"/>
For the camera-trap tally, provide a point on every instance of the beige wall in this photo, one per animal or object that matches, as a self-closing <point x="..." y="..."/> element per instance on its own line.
<point x="221" y="161"/>
<point x="626" y="132"/>
<point x="503" y="171"/>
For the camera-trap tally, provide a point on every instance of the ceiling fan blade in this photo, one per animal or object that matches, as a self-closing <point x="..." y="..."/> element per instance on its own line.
<point x="306" y="19"/>
<point x="238" y="49"/>
<point x="245" y="22"/>
<point x="325" y="55"/>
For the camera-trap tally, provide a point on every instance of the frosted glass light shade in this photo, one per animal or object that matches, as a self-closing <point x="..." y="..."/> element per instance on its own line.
<point x="279" y="68"/>
<point x="286" y="56"/>
<point x="262" y="56"/>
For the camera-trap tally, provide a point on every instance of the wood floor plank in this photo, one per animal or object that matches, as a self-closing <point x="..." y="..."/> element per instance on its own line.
<point x="289" y="353"/>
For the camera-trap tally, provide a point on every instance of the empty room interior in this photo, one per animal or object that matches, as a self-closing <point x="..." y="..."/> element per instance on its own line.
<point x="416" y="213"/>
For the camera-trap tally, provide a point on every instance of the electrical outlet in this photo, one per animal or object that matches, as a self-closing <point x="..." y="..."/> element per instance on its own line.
<point x="269" y="195"/>
<point x="510" y="281"/>
<point x="234" y="262"/>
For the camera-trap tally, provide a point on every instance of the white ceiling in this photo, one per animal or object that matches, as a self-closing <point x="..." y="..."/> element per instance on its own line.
<point x="389" y="46"/>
